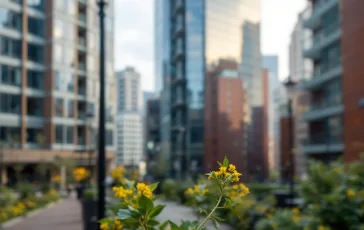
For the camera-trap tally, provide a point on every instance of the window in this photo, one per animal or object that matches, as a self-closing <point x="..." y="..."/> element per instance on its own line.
<point x="58" y="53"/>
<point x="35" y="106"/>
<point x="10" y="47"/>
<point x="36" y="26"/>
<point x="10" y="75"/>
<point x="109" y="137"/>
<point x="36" y="4"/>
<point x="35" y="79"/>
<point x="35" y="53"/>
<point x="10" y="134"/>
<point x="35" y="136"/>
<point x="10" y="103"/>
<point x="70" y="109"/>
<point x="59" y="107"/>
<point x="10" y="19"/>
<point x="59" y="134"/>
<point x="70" y="132"/>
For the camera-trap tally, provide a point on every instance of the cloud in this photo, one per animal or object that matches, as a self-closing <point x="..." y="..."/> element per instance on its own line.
<point x="134" y="38"/>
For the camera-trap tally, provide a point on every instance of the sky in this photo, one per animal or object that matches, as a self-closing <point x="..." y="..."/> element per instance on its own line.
<point x="134" y="34"/>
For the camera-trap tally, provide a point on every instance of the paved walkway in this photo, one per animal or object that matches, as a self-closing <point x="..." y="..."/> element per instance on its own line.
<point x="65" y="215"/>
<point x="176" y="212"/>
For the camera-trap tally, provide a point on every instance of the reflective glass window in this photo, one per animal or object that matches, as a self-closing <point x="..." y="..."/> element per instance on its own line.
<point x="71" y="109"/>
<point x="10" y="75"/>
<point x="59" y="134"/>
<point x="36" y="53"/>
<point x="10" y="47"/>
<point x="35" y="106"/>
<point x="10" y="19"/>
<point x="59" y="107"/>
<point x="35" y="79"/>
<point x="36" y="26"/>
<point x="36" y="4"/>
<point x="10" y="103"/>
<point x="70" y="134"/>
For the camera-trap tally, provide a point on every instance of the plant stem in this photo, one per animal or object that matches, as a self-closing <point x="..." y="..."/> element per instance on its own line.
<point x="210" y="214"/>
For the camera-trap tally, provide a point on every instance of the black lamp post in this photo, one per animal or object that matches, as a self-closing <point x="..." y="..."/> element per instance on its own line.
<point x="290" y="86"/>
<point x="90" y="149"/>
<point x="101" y="146"/>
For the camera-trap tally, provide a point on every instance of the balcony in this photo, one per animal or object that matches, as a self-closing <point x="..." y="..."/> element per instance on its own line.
<point x="322" y="110"/>
<point x="82" y="45"/>
<point x="83" y="2"/>
<point x="314" y="45"/>
<point x="82" y="20"/>
<point x="178" y="6"/>
<point x="178" y="28"/>
<point x="321" y="76"/>
<point x="82" y="66"/>
<point x="179" y="102"/>
<point x="323" y="143"/>
<point x="312" y="15"/>
<point x="178" y="52"/>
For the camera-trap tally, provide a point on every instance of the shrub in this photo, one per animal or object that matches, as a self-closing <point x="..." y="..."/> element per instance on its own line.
<point x="169" y="189"/>
<point x="25" y="189"/>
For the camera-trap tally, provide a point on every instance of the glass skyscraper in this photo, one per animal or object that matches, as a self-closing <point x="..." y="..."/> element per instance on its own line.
<point x="201" y="32"/>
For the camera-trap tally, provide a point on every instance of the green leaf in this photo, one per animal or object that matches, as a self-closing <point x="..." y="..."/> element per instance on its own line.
<point x="163" y="226"/>
<point x="153" y="186"/>
<point x="105" y="220"/>
<point x="129" y="184"/>
<point x="219" y="163"/>
<point x="216" y="224"/>
<point x="145" y="205"/>
<point x="228" y="202"/>
<point x="226" y="162"/>
<point x="156" y="210"/>
<point x="201" y="210"/>
<point x="218" y="218"/>
<point x="153" y="222"/>
<point x="124" y="214"/>
<point x="173" y="225"/>
<point x="130" y="221"/>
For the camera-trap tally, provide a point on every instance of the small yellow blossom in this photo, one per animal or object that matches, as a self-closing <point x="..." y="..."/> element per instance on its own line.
<point x="275" y="226"/>
<point x="122" y="193"/>
<point x="306" y="228"/>
<point x="80" y="174"/>
<point x="295" y="219"/>
<point x="350" y="193"/>
<point x="56" y="179"/>
<point x="296" y="211"/>
<point x="118" y="173"/>
<point x="143" y="189"/>
<point x="337" y="170"/>
<point x="117" y="224"/>
<point x="104" y="226"/>
<point x="323" y="228"/>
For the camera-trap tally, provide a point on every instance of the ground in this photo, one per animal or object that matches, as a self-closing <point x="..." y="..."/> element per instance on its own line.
<point x="65" y="215"/>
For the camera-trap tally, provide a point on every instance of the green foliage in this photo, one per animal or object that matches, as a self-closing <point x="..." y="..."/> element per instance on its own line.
<point x="7" y="196"/>
<point x="25" y="189"/>
<point x="169" y="189"/>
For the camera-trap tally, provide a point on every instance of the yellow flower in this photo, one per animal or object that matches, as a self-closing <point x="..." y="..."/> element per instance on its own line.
<point x="296" y="211"/>
<point x="118" y="173"/>
<point x="104" y="226"/>
<point x="306" y="228"/>
<point x="295" y="219"/>
<point x="122" y="193"/>
<point x="56" y="179"/>
<point x="350" y="193"/>
<point x="80" y="174"/>
<point x="269" y="216"/>
<point x="244" y="190"/>
<point x="203" y="192"/>
<point x="189" y="191"/>
<point x="275" y="226"/>
<point x="323" y="228"/>
<point x="143" y="189"/>
<point x="235" y="186"/>
<point x="117" y="224"/>
<point x="232" y="168"/>
<point x="337" y="170"/>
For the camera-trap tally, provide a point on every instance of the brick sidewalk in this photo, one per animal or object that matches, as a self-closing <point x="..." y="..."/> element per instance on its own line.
<point x="63" y="216"/>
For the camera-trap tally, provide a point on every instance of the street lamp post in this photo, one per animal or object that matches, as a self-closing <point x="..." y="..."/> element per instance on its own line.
<point x="181" y="157"/>
<point x="101" y="156"/>
<point x="290" y="86"/>
<point x="90" y="149"/>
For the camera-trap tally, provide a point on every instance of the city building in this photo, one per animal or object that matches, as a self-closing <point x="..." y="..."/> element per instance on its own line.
<point x="155" y="162"/>
<point x="49" y="61"/>
<point x="335" y="117"/>
<point x="129" y="119"/>
<point x="298" y="69"/>
<point x="200" y="34"/>
<point x="270" y="63"/>
<point x="225" y="105"/>
<point x="146" y="97"/>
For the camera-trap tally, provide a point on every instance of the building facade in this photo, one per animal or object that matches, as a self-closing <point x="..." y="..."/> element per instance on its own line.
<point x="130" y="145"/>
<point x="325" y="116"/>
<point x="270" y="63"/>
<point x="336" y="109"/>
<point x="49" y="81"/>
<point x="224" y="116"/>
<point x="202" y="33"/>
<point x="299" y="67"/>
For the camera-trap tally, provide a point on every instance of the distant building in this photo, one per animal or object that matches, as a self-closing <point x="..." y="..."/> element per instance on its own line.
<point x="270" y="63"/>
<point x="129" y="120"/>
<point x="225" y="102"/>
<point x="153" y="136"/>
<point x="146" y="97"/>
